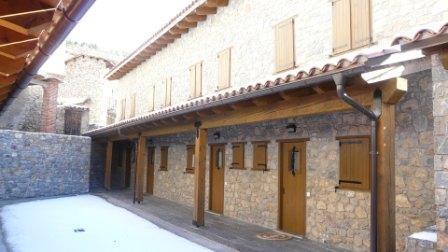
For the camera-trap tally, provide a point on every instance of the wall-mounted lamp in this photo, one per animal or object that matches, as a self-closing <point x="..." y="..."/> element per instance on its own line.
<point x="216" y="135"/>
<point x="291" y="128"/>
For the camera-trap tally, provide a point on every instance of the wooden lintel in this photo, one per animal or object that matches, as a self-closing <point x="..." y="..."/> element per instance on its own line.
<point x="393" y="90"/>
<point x="108" y="168"/>
<point x="204" y="10"/>
<point x="199" y="177"/>
<point x="195" y="18"/>
<point x="186" y="25"/>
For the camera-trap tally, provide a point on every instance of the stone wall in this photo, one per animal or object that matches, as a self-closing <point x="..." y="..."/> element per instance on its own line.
<point x="247" y="26"/>
<point x="339" y="217"/>
<point x="440" y="79"/>
<point x="25" y="111"/>
<point x="38" y="164"/>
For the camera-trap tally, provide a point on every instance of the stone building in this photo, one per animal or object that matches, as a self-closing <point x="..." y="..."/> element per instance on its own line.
<point x="233" y="107"/>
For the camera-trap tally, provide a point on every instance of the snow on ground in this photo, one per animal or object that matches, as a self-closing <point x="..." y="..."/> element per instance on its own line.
<point x="49" y="225"/>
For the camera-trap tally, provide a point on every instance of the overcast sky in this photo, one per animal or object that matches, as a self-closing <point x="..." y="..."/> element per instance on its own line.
<point x="119" y="25"/>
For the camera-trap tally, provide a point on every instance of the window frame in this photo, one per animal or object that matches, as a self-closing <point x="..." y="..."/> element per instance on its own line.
<point x="240" y="165"/>
<point x="255" y="162"/>
<point x="279" y="67"/>
<point x="228" y="70"/>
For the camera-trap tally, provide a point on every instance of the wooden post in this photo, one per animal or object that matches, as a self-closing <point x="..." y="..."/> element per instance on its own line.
<point x="386" y="178"/>
<point x="140" y="168"/>
<point x="199" y="177"/>
<point x="108" y="168"/>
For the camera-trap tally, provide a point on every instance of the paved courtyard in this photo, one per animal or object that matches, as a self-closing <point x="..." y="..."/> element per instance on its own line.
<point x="220" y="233"/>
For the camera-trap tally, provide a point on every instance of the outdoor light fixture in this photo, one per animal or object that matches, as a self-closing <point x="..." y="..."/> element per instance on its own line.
<point x="216" y="135"/>
<point x="291" y="128"/>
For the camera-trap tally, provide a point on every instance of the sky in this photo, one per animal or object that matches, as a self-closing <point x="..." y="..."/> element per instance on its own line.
<point x="118" y="25"/>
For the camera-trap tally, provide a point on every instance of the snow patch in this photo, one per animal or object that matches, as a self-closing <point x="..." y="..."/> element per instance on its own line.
<point x="84" y="223"/>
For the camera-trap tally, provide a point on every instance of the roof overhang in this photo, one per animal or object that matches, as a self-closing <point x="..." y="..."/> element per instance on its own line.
<point x="30" y="31"/>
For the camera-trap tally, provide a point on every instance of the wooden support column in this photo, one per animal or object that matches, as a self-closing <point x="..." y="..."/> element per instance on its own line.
<point x="108" y="168"/>
<point x="199" y="177"/>
<point x="386" y="178"/>
<point x="140" y="168"/>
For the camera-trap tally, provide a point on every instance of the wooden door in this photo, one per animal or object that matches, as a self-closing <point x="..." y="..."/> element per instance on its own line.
<point x="217" y="164"/>
<point x="292" y="187"/>
<point x="150" y="171"/>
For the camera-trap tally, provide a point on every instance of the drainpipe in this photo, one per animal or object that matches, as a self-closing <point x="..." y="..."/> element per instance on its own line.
<point x="373" y="115"/>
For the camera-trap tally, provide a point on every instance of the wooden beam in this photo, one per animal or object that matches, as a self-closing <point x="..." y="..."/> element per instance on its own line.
<point x="393" y="90"/>
<point x="205" y="113"/>
<point x="7" y="55"/>
<point x="242" y="104"/>
<point x="14" y="27"/>
<point x="222" y="109"/>
<point x="163" y="131"/>
<point x="26" y="13"/>
<point x="195" y="18"/>
<point x="5" y="90"/>
<point x="265" y="100"/>
<point x="217" y="3"/>
<point x="7" y="80"/>
<point x="199" y="177"/>
<point x="19" y="42"/>
<point x="140" y="168"/>
<point x="108" y="168"/>
<point x="296" y="93"/>
<point x="204" y="10"/>
<point x="186" y="25"/>
<point x="318" y="90"/>
<point x="386" y="178"/>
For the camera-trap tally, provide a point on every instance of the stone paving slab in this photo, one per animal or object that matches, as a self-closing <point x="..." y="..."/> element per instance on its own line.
<point x="230" y="233"/>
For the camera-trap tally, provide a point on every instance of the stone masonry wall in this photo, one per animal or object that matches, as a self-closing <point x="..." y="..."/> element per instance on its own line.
<point x="440" y="79"/>
<point x="247" y="26"/>
<point x="97" y="165"/>
<point x="39" y="164"/>
<point x="337" y="217"/>
<point x="25" y="112"/>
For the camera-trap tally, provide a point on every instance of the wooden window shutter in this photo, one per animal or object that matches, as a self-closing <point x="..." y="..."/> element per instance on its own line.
<point x="341" y="26"/>
<point x="360" y="23"/>
<point x="190" y="159"/>
<point x="192" y="81"/>
<point x="224" y="69"/>
<point x="151" y="98"/>
<point x="260" y="156"/>
<point x="237" y="156"/>
<point x="164" y="158"/>
<point x="198" y="84"/>
<point x="168" y="91"/>
<point x="132" y="110"/>
<point x="284" y="45"/>
<point x="354" y="163"/>
<point x="123" y="109"/>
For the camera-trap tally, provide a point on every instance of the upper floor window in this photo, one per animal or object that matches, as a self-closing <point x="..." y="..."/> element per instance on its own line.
<point x="196" y="80"/>
<point x="224" y="69"/>
<point x="151" y="98"/>
<point x="284" y="45"/>
<point x="168" y="82"/>
<point x="351" y="24"/>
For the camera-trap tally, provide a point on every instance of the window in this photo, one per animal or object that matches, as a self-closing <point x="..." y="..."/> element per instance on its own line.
<point x="354" y="163"/>
<point x="284" y="45"/>
<point x="238" y="156"/>
<point x="151" y="98"/>
<point x="190" y="159"/>
<point x="351" y="24"/>
<point x="196" y="80"/>
<point x="123" y="109"/>
<point x="168" y="91"/>
<point x="132" y="111"/>
<point x="224" y="69"/>
<point x="260" y="156"/>
<point x="164" y="158"/>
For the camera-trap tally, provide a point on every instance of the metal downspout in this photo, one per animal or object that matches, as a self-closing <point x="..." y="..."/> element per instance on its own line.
<point x="373" y="115"/>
